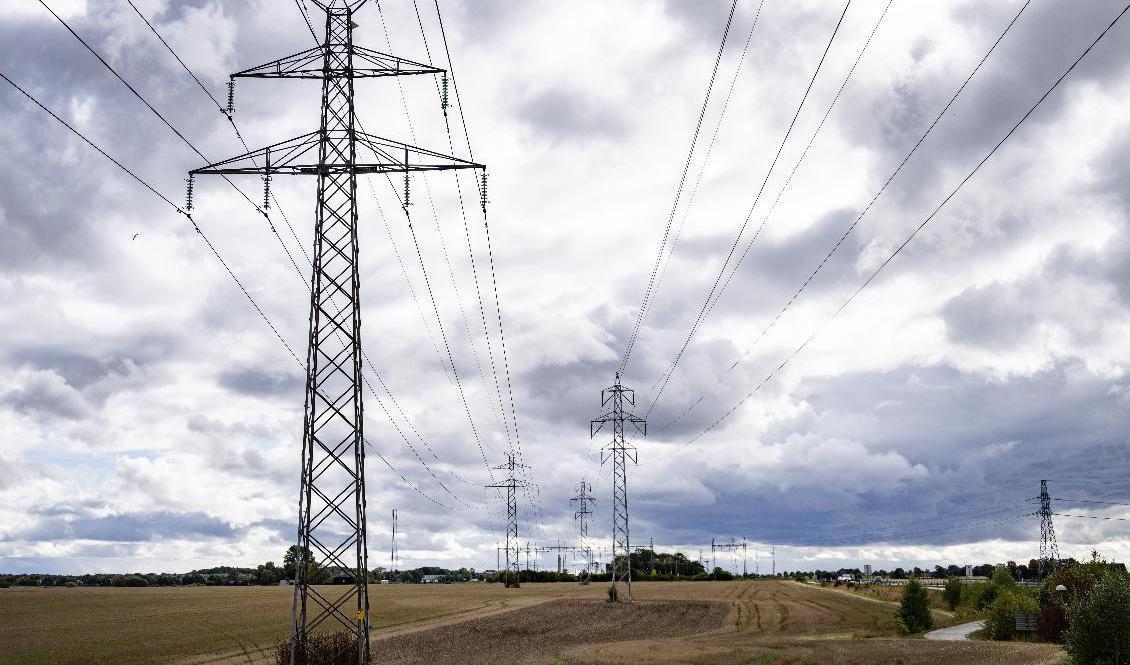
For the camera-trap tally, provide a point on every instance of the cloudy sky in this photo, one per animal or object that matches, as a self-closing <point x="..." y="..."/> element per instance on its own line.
<point x="150" y="420"/>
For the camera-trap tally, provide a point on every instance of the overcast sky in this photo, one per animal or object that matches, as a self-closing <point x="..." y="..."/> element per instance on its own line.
<point x="151" y="421"/>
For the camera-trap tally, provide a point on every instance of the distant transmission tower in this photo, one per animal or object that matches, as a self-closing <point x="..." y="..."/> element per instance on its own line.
<point x="513" y="547"/>
<point x="619" y="451"/>
<point x="331" y="511"/>
<point x="392" y="557"/>
<point x="1049" y="549"/>
<point x="581" y="516"/>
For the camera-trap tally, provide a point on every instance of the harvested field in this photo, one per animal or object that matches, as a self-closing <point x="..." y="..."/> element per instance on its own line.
<point x="707" y="623"/>
<point x="539" y="633"/>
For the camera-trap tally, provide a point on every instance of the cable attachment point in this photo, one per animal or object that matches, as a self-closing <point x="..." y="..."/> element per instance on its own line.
<point x="191" y="180"/>
<point x="483" y="200"/>
<point x="267" y="182"/>
<point x="231" y="96"/>
<point x="443" y="98"/>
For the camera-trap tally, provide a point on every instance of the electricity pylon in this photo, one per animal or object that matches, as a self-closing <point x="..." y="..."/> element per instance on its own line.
<point x="619" y="451"/>
<point x="331" y="511"/>
<point x="513" y="547"/>
<point x="1049" y="549"/>
<point x="582" y="500"/>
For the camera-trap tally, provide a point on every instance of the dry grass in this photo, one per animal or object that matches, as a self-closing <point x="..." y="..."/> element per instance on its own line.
<point x="716" y="623"/>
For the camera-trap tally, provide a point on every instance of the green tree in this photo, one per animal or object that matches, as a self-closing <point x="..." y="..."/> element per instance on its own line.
<point x="267" y="574"/>
<point x="1001" y="620"/>
<point x="914" y="608"/>
<point x="952" y="592"/>
<point x="1099" y="623"/>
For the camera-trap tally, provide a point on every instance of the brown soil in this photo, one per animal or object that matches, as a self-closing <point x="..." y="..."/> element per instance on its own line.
<point x="537" y="634"/>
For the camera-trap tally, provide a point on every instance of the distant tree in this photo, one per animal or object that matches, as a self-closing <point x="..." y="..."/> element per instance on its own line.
<point x="1003" y="577"/>
<point x="315" y="574"/>
<point x="952" y="592"/>
<point x="267" y="574"/>
<point x="914" y="608"/>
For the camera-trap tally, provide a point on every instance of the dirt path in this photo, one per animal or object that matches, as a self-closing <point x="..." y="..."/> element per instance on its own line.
<point x="955" y="633"/>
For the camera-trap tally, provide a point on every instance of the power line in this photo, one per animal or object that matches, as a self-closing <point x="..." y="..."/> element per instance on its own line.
<point x="486" y="232"/>
<point x="741" y="230"/>
<point x="914" y="233"/>
<point x="1095" y="517"/>
<point x="215" y="252"/>
<point x="367" y="362"/>
<point x="784" y="308"/>
<point x="647" y="295"/>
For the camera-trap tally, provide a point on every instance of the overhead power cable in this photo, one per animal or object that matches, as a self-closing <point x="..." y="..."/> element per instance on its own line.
<point x="913" y="234"/>
<point x="215" y="252"/>
<point x="741" y="230"/>
<point x="365" y="357"/>
<point x="645" y="303"/>
<point x="487" y="236"/>
<point x="168" y="124"/>
<point x="804" y="285"/>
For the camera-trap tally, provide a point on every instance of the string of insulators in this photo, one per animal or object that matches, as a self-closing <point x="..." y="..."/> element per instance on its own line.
<point x="231" y="96"/>
<point x="443" y="99"/>
<point x="191" y="180"/>
<point x="407" y="191"/>
<point x="483" y="192"/>
<point x="267" y="191"/>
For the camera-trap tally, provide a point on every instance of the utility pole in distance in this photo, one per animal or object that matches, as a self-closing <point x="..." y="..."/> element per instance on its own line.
<point x="619" y="451"/>
<point x="511" y="484"/>
<point x="331" y="512"/>
<point x="580" y="515"/>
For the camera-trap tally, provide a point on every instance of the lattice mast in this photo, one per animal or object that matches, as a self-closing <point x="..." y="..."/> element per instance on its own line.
<point x="581" y="516"/>
<point x="619" y="451"/>
<point x="331" y="512"/>
<point x="513" y="547"/>
<point x="1049" y="549"/>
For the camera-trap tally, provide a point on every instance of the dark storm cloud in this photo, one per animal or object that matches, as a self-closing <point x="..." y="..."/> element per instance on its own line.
<point x="45" y="395"/>
<point x="80" y="371"/>
<point x="570" y="115"/>
<point x="131" y="527"/>
<point x="259" y="383"/>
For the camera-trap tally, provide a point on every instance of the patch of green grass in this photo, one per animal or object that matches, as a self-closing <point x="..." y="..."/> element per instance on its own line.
<point x="558" y="658"/>
<point x="767" y="658"/>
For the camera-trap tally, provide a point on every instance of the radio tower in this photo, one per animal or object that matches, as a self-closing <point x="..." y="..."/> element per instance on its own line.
<point x="331" y="510"/>
<point x="582" y="500"/>
<point x="1049" y="549"/>
<point x="513" y="547"/>
<point x="619" y="451"/>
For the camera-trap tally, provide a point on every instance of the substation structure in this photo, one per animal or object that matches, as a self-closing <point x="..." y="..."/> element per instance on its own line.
<point x="331" y="511"/>
<point x="619" y="451"/>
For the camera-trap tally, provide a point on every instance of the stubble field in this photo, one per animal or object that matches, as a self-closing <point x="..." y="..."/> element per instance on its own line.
<point x="709" y="623"/>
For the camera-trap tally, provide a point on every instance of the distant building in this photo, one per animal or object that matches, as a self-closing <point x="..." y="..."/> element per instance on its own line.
<point x="284" y="582"/>
<point x="433" y="579"/>
<point x="867" y="570"/>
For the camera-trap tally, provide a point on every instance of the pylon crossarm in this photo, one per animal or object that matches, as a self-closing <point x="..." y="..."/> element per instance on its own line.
<point x="311" y="64"/>
<point x="299" y="156"/>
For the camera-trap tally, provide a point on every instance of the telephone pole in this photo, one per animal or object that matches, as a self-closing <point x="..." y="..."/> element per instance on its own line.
<point x="581" y="517"/>
<point x="331" y="511"/>
<point x="513" y="547"/>
<point x="619" y="451"/>
<point x="1049" y="549"/>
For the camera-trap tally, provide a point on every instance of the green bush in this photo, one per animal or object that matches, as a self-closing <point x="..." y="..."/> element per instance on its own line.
<point x="914" y="608"/>
<point x="952" y="592"/>
<point x="1099" y="623"/>
<point x="1000" y="623"/>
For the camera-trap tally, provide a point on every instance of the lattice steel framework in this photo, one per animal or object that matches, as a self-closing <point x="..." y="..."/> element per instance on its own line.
<point x="619" y="451"/>
<point x="511" y="483"/>
<point x="331" y="511"/>
<point x="581" y="517"/>
<point x="1049" y="549"/>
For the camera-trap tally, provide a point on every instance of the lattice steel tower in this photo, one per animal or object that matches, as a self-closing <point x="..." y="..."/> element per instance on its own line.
<point x="513" y="547"/>
<point x="1049" y="549"/>
<point x="619" y="451"/>
<point x="331" y="511"/>
<point x="581" y="516"/>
